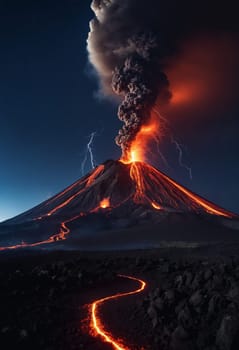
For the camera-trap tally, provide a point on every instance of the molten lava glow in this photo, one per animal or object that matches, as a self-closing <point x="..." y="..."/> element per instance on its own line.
<point x="60" y="236"/>
<point x="156" y="206"/>
<point x="144" y="191"/>
<point x="105" y="203"/>
<point x="97" y="324"/>
<point x="210" y="207"/>
<point x="138" y="179"/>
<point x="64" y="231"/>
<point x="94" y="175"/>
<point x="85" y="184"/>
<point x="139" y="146"/>
<point x="151" y="188"/>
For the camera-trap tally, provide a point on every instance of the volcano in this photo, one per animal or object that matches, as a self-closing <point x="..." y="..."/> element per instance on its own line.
<point x="117" y="197"/>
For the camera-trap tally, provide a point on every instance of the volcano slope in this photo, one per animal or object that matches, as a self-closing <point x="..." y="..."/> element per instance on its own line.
<point x="120" y="206"/>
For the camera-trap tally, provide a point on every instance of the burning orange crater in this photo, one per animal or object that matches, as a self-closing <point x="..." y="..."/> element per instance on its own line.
<point x="96" y="324"/>
<point x="139" y="146"/>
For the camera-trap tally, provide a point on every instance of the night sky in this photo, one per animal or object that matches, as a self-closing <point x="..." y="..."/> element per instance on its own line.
<point x="49" y="106"/>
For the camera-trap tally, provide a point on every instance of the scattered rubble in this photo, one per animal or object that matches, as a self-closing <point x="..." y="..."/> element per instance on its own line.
<point x="198" y="307"/>
<point x="189" y="303"/>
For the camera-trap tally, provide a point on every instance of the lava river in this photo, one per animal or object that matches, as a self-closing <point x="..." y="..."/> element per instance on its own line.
<point x="97" y="326"/>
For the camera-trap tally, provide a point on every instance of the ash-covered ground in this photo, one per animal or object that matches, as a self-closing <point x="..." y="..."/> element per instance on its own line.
<point x="191" y="300"/>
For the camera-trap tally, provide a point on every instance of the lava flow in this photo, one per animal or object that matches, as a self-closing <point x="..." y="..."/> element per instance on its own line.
<point x="97" y="326"/>
<point x="64" y="231"/>
<point x="86" y="182"/>
<point x="144" y="193"/>
<point x="129" y="184"/>
<point x="60" y="236"/>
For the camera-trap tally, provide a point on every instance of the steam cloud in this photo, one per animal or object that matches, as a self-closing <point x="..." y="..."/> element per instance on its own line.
<point x="125" y="51"/>
<point x="129" y="44"/>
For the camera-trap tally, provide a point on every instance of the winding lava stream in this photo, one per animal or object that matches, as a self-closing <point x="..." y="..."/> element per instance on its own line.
<point x="96" y="324"/>
<point x="61" y="235"/>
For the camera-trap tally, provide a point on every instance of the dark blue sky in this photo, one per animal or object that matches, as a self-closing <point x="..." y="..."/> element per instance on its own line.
<point x="48" y="108"/>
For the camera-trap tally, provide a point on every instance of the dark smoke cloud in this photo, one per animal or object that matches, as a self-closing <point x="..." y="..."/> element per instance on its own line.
<point x="131" y="43"/>
<point x="125" y="52"/>
<point x="134" y="80"/>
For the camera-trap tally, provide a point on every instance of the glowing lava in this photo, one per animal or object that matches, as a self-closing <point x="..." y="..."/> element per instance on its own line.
<point x="209" y="207"/>
<point x="156" y="206"/>
<point x="105" y="203"/>
<point x="158" y="185"/>
<point x="110" y="186"/>
<point x="87" y="182"/>
<point x="64" y="231"/>
<point x="145" y="192"/>
<point x="139" y="146"/>
<point x="60" y="236"/>
<point x="97" y="326"/>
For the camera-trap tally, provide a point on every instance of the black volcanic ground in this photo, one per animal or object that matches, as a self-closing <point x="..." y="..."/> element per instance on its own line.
<point x="191" y="300"/>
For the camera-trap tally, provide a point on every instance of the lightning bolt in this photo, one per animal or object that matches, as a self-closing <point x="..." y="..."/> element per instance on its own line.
<point x="161" y="154"/>
<point x="89" y="153"/>
<point x="179" y="148"/>
<point x="165" y="128"/>
<point x="90" y="150"/>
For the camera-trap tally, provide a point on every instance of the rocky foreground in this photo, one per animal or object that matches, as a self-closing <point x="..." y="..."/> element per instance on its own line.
<point x="191" y="302"/>
<point x="197" y="306"/>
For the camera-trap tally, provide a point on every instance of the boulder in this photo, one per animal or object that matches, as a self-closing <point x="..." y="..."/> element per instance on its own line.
<point x="196" y="299"/>
<point x="227" y="332"/>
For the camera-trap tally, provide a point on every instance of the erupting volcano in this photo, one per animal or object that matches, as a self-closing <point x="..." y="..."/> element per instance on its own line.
<point x="115" y="184"/>
<point x="129" y="192"/>
<point x="125" y="254"/>
<point x="112" y="192"/>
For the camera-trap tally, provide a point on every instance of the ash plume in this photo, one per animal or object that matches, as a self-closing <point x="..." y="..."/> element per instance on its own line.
<point x="131" y="43"/>
<point x="125" y="52"/>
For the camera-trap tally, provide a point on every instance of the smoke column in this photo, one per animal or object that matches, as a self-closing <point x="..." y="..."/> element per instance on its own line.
<point x="132" y="43"/>
<point x="125" y="52"/>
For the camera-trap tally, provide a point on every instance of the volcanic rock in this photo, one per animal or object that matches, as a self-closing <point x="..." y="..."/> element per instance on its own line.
<point x="227" y="331"/>
<point x="196" y="298"/>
